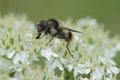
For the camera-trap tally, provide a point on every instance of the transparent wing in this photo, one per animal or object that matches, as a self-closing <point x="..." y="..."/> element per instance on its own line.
<point x="69" y="29"/>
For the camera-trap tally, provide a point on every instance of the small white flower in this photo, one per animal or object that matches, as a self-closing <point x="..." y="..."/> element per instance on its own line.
<point x="82" y="42"/>
<point x="70" y="67"/>
<point x="2" y="51"/>
<point x="17" y="25"/>
<point x="88" y="22"/>
<point x="81" y="22"/>
<point x="118" y="46"/>
<point x="32" y="58"/>
<point x="109" y="53"/>
<point x="84" y="78"/>
<point x="77" y="70"/>
<point x="106" y="61"/>
<point x="93" y="23"/>
<point x="76" y="37"/>
<point x="11" y="53"/>
<point x="48" y="53"/>
<point x="98" y="73"/>
<point x="56" y="42"/>
<point x="84" y="69"/>
<point x="29" y="35"/>
<point x="21" y="57"/>
<point x="114" y="69"/>
<point x="55" y="55"/>
<point x="16" y="67"/>
<point x="108" y="79"/>
<point x="87" y="71"/>
<point x="13" y="79"/>
<point x="54" y="65"/>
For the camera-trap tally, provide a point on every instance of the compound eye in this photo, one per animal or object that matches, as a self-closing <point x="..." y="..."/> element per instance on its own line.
<point x="43" y="24"/>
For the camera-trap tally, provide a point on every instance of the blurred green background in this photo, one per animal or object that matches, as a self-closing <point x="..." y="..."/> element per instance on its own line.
<point x="105" y="11"/>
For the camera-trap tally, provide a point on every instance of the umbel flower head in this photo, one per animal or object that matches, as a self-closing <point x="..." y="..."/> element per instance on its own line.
<point x="22" y="57"/>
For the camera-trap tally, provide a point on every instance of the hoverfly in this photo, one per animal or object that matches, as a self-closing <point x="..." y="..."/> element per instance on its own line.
<point x="52" y="27"/>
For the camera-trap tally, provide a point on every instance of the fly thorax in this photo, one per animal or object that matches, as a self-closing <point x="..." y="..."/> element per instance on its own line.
<point x="53" y="31"/>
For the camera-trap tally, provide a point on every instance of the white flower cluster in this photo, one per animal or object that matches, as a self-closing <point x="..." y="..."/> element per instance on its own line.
<point x="22" y="57"/>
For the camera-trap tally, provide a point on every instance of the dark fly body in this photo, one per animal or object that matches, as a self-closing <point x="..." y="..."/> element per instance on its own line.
<point x="52" y="28"/>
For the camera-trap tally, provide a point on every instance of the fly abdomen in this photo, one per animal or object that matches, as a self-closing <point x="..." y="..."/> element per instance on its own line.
<point x="70" y="35"/>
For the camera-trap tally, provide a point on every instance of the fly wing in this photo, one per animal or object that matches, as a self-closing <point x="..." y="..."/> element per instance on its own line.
<point x="70" y="29"/>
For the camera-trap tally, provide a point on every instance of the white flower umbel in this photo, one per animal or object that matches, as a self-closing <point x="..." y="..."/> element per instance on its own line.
<point x="22" y="57"/>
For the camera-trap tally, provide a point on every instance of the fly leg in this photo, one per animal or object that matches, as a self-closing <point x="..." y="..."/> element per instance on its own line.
<point x="68" y="42"/>
<point x="38" y="36"/>
<point x="49" y="41"/>
<point x="42" y="36"/>
<point x="68" y="48"/>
